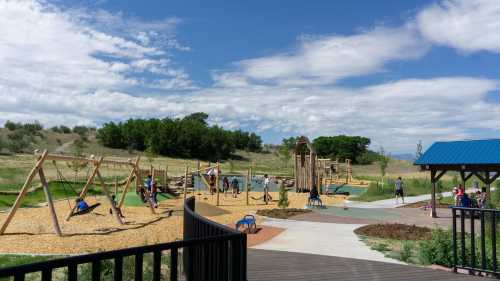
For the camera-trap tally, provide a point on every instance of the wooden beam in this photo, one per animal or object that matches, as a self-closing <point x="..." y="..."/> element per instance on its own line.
<point x="185" y="182"/>
<point x="465" y="177"/>
<point x="217" y="181"/>
<point x="83" y="159"/>
<point x="481" y="178"/>
<point x="249" y="178"/>
<point x="129" y="181"/>
<point x="23" y="191"/>
<point x="50" y="203"/>
<point x="433" y="194"/>
<point x="438" y="176"/>
<point x="83" y="193"/>
<point x="108" y="196"/>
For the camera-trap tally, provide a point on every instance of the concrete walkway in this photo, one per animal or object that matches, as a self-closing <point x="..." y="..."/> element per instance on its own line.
<point x="329" y="239"/>
<point x="391" y="203"/>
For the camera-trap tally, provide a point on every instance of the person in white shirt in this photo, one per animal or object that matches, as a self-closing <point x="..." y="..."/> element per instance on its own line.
<point x="266" y="188"/>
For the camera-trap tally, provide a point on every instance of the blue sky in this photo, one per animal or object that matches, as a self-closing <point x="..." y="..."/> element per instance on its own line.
<point x="395" y="71"/>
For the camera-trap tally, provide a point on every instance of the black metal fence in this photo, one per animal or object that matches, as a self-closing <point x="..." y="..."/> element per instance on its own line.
<point x="210" y="252"/>
<point x="224" y="259"/>
<point x="475" y="240"/>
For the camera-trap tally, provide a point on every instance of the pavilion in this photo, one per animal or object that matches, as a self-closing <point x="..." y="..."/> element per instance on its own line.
<point x="480" y="158"/>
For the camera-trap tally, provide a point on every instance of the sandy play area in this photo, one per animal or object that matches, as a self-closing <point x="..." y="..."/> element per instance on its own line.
<point x="31" y="230"/>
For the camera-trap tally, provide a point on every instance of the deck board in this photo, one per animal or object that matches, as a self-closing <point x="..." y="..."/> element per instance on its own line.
<point x="277" y="266"/>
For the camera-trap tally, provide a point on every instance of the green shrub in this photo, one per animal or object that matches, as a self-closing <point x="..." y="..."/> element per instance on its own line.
<point x="283" y="196"/>
<point x="438" y="249"/>
<point x="406" y="251"/>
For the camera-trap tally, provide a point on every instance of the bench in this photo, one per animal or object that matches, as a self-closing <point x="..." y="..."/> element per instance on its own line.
<point x="248" y="222"/>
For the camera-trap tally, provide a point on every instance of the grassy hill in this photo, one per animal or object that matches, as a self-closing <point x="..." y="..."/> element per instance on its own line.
<point x="14" y="168"/>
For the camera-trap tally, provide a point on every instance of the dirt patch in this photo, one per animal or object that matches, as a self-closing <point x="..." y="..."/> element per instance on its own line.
<point x="208" y="210"/>
<point x="424" y="204"/>
<point x="282" y="213"/>
<point x="395" y="231"/>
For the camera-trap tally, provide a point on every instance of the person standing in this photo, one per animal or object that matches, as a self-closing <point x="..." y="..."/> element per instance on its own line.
<point x="399" y="190"/>
<point x="236" y="187"/>
<point x="225" y="185"/>
<point x="266" y="188"/>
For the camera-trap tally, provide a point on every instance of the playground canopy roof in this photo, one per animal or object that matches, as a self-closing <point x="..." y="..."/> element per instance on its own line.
<point x="474" y="155"/>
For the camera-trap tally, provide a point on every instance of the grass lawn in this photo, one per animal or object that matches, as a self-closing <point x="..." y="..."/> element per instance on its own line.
<point x="413" y="186"/>
<point x="13" y="260"/>
<point x="58" y="191"/>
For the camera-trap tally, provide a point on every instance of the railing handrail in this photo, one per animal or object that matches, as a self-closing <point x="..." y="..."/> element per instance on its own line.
<point x="87" y="258"/>
<point x="206" y="240"/>
<point x="474" y="209"/>
<point x="472" y="259"/>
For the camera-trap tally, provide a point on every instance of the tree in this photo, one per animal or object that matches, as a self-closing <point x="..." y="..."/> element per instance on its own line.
<point x="283" y="196"/>
<point x="342" y="147"/>
<point x="419" y="150"/>
<point x="11" y="126"/>
<point x="383" y="162"/>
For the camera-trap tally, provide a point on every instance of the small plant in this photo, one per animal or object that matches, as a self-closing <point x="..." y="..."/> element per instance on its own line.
<point x="283" y="196"/>
<point x="406" y="252"/>
<point x="380" y="247"/>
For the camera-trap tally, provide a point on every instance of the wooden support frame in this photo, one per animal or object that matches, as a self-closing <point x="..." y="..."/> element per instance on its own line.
<point x="217" y="175"/>
<point x="435" y="176"/>
<point x="38" y="170"/>
<point x="130" y="177"/>
<point x="23" y="191"/>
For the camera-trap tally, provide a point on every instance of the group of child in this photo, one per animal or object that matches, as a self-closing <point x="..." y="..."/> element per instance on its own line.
<point x="475" y="199"/>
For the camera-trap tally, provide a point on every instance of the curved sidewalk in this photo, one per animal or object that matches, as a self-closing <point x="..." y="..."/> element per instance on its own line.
<point x="327" y="239"/>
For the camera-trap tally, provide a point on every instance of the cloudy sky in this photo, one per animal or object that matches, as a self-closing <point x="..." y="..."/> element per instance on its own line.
<point x="395" y="71"/>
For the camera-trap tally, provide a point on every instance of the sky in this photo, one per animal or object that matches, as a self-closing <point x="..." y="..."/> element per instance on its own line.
<point x="395" y="71"/>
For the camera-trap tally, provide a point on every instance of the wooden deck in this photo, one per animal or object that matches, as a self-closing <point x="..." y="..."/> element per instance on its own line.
<point x="277" y="266"/>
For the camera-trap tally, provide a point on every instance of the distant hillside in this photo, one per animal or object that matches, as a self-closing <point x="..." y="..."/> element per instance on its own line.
<point x="404" y="156"/>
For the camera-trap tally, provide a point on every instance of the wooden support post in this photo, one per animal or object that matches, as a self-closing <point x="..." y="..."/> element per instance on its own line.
<point x="248" y="179"/>
<point x="108" y="196"/>
<point x="198" y="167"/>
<point x="186" y="182"/>
<point x="217" y="181"/>
<point x="50" y="204"/>
<point x="129" y="181"/>
<point x="23" y="191"/>
<point x="90" y="180"/>
<point x="165" y="177"/>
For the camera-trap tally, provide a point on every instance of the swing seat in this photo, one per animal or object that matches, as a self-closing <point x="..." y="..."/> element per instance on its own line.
<point x="86" y="211"/>
<point x="248" y="222"/>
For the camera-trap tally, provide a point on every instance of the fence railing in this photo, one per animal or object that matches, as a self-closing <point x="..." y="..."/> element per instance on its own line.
<point x="218" y="260"/>
<point x="210" y="252"/>
<point x="475" y="239"/>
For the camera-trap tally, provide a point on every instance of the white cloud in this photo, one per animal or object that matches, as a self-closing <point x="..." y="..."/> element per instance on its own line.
<point x="467" y="25"/>
<point x="44" y="48"/>
<point x="71" y="67"/>
<point x="327" y="59"/>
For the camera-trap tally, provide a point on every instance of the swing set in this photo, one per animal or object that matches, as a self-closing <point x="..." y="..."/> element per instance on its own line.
<point x="92" y="173"/>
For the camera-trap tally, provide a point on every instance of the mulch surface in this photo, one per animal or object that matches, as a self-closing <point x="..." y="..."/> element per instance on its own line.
<point x="395" y="231"/>
<point x="282" y="213"/>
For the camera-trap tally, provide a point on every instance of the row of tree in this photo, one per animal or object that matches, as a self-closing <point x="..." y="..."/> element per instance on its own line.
<point x="341" y="147"/>
<point x="189" y="137"/>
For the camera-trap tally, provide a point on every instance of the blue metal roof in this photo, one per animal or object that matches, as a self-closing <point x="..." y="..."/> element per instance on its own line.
<point x="462" y="153"/>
